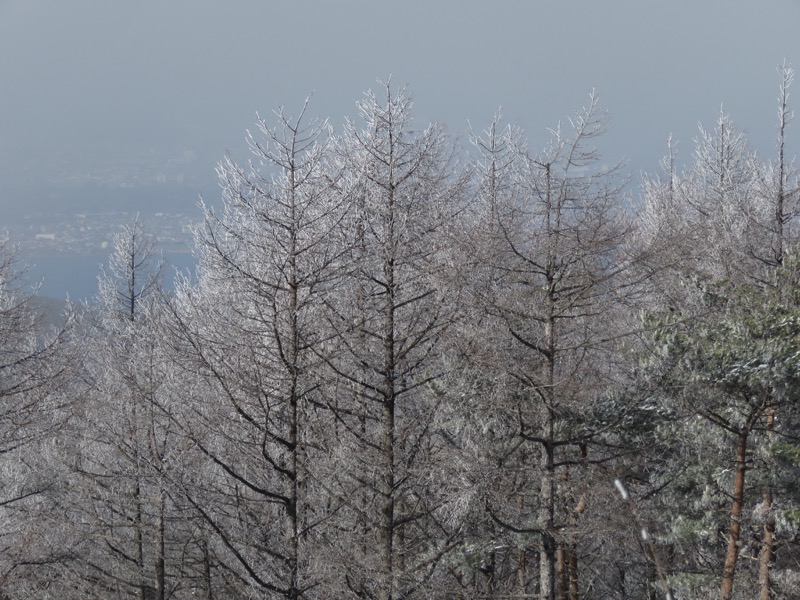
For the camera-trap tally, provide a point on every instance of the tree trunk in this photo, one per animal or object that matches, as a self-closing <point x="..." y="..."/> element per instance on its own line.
<point x="142" y="591"/>
<point x="138" y="514"/>
<point x="567" y="553"/>
<point x="572" y="549"/>
<point x="765" y="554"/>
<point x="562" y="574"/>
<point x="768" y="535"/>
<point x="207" y="571"/>
<point x="547" y="556"/>
<point x="734" y="534"/>
<point x="161" y="575"/>
<point x="387" y="499"/>
<point x="563" y="554"/>
<point x="294" y="416"/>
<point x="573" y="573"/>
<point x="387" y="480"/>
<point x="522" y="572"/>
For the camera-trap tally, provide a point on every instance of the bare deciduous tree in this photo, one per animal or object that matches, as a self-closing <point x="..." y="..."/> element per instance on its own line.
<point x="250" y="332"/>
<point x="555" y="229"/>
<point x="387" y="320"/>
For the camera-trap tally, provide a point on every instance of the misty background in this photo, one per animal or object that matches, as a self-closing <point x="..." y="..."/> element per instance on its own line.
<point x="112" y="109"/>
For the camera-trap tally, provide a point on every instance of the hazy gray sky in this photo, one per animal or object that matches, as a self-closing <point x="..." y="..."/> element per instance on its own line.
<point x="88" y="82"/>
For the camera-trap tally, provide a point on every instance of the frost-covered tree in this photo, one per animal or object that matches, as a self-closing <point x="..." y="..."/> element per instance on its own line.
<point x="728" y="214"/>
<point x="772" y="219"/>
<point x="387" y="320"/>
<point x="249" y="336"/>
<point x="119" y="440"/>
<point x="552" y="265"/>
<point x="34" y="371"/>
<point x="404" y="372"/>
<point x="718" y="234"/>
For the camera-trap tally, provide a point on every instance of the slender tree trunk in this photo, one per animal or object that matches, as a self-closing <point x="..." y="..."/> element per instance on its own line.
<point x="207" y="571"/>
<point x="780" y="199"/>
<point x="362" y="402"/>
<point x="387" y="482"/>
<point x="522" y="572"/>
<point x="294" y="416"/>
<point x="734" y="534"/>
<point x="765" y="554"/>
<point x="387" y="499"/>
<point x="292" y="505"/>
<point x="547" y="497"/>
<point x="562" y="571"/>
<point x="137" y="499"/>
<point x="562" y="552"/>
<point x="572" y="549"/>
<point x="137" y="503"/>
<point x="573" y="573"/>
<point x="547" y="557"/>
<point x="161" y="575"/>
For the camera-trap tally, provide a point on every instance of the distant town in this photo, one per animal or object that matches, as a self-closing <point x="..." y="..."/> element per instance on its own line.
<point x="92" y="233"/>
<point x="62" y="232"/>
<point x="61" y="220"/>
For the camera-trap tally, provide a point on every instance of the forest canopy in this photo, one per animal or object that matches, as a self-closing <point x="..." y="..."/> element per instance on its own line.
<point x="410" y="369"/>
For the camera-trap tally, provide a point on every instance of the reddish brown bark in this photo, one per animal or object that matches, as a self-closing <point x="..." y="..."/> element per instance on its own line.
<point x="768" y="535"/>
<point x="567" y="557"/>
<point x="572" y="548"/>
<point x="765" y="554"/>
<point x="561" y="572"/>
<point x="734" y="533"/>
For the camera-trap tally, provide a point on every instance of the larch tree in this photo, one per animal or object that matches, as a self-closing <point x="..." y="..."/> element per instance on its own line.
<point x="119" y="502"/>
<point x="387" y="321"/>
<point x="556" y="230"/>
<point x="248" y="333"/>
<point x="406" y="372"/>
<point x="35" y="368"/>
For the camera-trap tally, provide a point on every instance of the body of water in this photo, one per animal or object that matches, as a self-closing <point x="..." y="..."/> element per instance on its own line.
<point x="62" y="276"/>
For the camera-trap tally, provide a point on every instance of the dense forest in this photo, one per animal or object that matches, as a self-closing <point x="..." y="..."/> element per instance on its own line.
<point x="409" y="368"/>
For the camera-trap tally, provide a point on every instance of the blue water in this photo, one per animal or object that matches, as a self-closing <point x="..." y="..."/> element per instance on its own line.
<point x="60" y="276"/>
